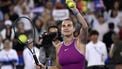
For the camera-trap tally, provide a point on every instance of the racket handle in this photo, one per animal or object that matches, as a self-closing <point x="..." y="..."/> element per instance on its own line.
<point x="36" y="60"/>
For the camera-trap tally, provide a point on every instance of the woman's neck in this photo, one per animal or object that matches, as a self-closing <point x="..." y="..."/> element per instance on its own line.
<point x="68" y="40"/>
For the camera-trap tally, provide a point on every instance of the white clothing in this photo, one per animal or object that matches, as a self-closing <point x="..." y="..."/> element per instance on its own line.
<point x="91" y="19"/>
<point x="3" y="34"/>
<point x="7" y="67"/>
<point x="18" y="10"/>
<point x="96" y="54"/>
<point x="102" y="29"/>
<point x="8" y="22"/>
<point x="60" y="14"/>
<point x="1" y="46"/>
<point x="116" y="22"/>
<point x="30" y="4"/>
<point x="28" y="58"/>
<point x="27" y="24"/>
<point x="7" y="56"/>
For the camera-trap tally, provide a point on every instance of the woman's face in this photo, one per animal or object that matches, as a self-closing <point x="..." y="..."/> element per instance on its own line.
<point x="67" y="28"/>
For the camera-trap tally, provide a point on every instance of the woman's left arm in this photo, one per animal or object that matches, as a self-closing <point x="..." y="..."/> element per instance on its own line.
<point x="84" y="30"/>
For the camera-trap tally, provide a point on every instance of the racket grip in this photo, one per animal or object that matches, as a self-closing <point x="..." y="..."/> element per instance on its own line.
<point x="36" y="60"/>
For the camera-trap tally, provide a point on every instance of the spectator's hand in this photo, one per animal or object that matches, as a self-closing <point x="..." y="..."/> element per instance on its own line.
<point x="40" y="66"/>
<point x="40" y="41"/>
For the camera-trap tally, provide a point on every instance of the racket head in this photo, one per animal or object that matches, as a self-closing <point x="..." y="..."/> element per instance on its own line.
<point x="24" y="38"/>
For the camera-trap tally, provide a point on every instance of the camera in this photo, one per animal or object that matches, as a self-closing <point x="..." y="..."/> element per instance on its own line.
<point x="48" y="38"/>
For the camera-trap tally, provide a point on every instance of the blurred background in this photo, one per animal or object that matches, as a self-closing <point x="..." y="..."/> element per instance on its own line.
<point x="101" y="15"/>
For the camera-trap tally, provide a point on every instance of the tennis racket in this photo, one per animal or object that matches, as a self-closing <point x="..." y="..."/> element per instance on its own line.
<point x="33" y="37"/>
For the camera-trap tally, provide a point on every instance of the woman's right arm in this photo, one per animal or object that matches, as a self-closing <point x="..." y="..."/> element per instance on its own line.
<point x="57" y="62"/>
<point x="57" y="65"/>
<point x="57" y="47"/>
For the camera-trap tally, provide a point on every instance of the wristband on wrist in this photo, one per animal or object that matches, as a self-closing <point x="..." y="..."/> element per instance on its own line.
<point x="75" y="12"/>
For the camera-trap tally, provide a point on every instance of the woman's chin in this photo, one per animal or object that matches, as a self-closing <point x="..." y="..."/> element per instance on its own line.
<point x="67" y="34"/>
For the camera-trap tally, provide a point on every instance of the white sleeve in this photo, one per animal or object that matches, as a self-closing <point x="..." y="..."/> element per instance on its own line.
<point x="28" y="59"/>
<point x="104" y="52"/>
<point x="1" y="55"/>
<point x="3" y="58"/>
<point x="15" y="56"/>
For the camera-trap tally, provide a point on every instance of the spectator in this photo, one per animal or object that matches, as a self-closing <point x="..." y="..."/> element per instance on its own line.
<point x="12" y="14"/>
<point x="19" y="47"/>
<point x="28" y="57"/>
<point x="91" y="19"/>
<point x="116" y="6"/>
<point x="24" y="7"/>
<point x="47" y="51"/>
<point x="39" y="29"/>
<point x="4" y="5"/>
<point x="49" y="23"/>
<point x="101" y="27"/>
<point x="96" y="52"/>
<point x="116" y="52"/>
<point x="23" y="11"/>
<point x="29" y="3"/>
<point x="27" y="24"/>
<point x="9" y="56"/>
<point x="46" y="14"/>
<point x="7" y="32"/>
<point x="18" y="7"/>
<point x="107" y="38"/>
<point x="113" y="5"/>
<point x="115" y="19"/>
